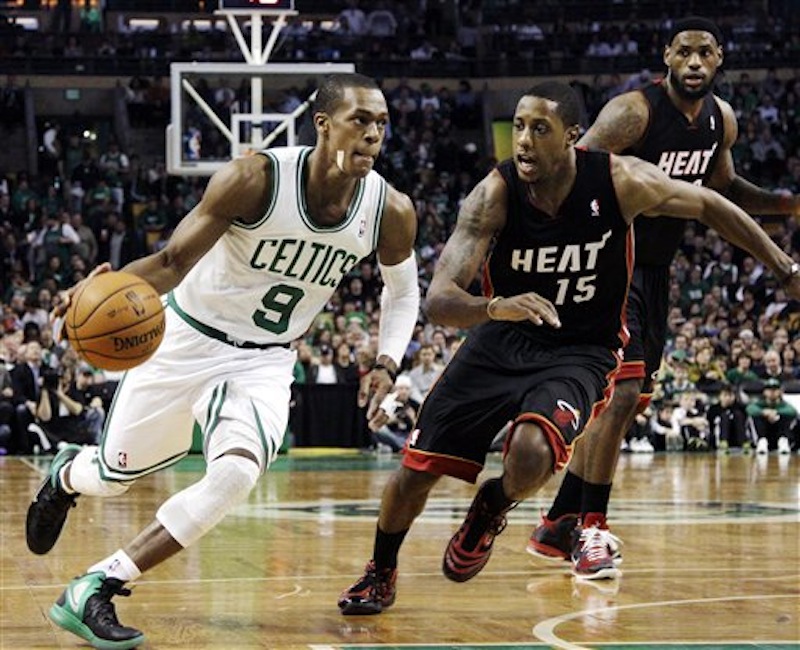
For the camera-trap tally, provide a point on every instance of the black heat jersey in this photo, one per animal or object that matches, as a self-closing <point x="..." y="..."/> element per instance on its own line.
<point x="581" y="259"/>
<point x="684" y="151"/>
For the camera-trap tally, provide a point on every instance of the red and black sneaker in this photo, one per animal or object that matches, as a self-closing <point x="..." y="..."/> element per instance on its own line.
<point x="371" y="593"/>
<point x="470" y="548"/>
<point x="554" y="539"/>
<point x="596" y="554"/>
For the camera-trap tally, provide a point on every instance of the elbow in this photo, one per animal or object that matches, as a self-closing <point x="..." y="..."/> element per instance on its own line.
<point x="434" y="311"/>
<point x="439" y="313"/>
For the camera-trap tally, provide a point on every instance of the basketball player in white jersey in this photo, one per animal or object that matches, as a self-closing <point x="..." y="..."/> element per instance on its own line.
<point x="245" y="273"/>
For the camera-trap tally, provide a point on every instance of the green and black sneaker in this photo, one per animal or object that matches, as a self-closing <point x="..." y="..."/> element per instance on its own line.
<point x="49" y="508"/>
<point x="86" y="610"/>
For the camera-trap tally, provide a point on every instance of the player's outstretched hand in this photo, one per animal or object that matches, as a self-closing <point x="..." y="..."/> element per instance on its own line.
<point x="374" y="388"/>
<point x="65" y="297"/>
<point x="526" y="306"/>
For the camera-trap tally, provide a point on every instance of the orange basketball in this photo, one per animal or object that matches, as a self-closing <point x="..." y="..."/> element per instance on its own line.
<point x="115" y="321"/>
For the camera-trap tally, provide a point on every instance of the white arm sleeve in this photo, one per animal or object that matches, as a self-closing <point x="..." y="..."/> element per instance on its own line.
<point x="399" y="307"/>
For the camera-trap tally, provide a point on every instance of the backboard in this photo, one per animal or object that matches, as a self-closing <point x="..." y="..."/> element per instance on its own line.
<point x="224" y="110"/>
<point x="257" y="5"/>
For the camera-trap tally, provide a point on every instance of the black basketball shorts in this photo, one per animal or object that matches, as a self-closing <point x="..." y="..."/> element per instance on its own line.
<point x="648" y="305"/>
<point x="501" y="375"/>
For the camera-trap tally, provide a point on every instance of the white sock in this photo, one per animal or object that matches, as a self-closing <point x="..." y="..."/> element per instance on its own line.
<point x="62" y="473"/>
<point x="119" y="565"/>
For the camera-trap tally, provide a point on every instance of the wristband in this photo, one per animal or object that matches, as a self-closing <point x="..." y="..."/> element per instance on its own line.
<point x="794" y="270"/>
<point x="392" y="374"/>
<point x="490" y="305"/>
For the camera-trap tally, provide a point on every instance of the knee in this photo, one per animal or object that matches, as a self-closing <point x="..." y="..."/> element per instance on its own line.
<point x="236" y="474"/>
<point x="530" y="456"/>
<point x="190" y="514"/>
<point x="412" y="482"/>
<point x="529" y="440"/>
<point x="625" y="402"/>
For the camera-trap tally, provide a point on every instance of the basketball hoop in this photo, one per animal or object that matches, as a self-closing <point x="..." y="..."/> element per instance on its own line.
<point x="251" y="122"/>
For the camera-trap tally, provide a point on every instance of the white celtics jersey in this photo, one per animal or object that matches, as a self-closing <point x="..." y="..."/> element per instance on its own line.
<point x="264" y="283"/>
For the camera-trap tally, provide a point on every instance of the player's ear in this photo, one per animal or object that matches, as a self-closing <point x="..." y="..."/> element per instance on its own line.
<point x="573" y="134"/>
<point x="321" y="123"/>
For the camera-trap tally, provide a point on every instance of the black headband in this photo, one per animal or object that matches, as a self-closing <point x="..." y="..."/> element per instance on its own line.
<point x="694" y="24"/>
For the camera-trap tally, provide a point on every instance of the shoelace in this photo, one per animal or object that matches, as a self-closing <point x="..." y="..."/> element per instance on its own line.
<point x="372" y="579"/>
<point x="614" y="542"/>
<point x="57" y="498"/>
<point x="498" y="525"/>
<point x="102" y="608"/>
<point x="595" y="544"/>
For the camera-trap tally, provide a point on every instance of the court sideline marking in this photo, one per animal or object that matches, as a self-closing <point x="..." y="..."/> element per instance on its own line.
<point x="545" y="630"/>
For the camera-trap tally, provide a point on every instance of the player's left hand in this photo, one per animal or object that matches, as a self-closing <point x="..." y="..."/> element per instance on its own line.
<point x="59" y="311"/>
<point x="374" y="388"/>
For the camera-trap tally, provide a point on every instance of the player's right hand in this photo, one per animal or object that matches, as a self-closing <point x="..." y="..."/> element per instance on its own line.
<point x="373" y="389"/>
<point x="65" y="298"/>
<point x="527" y="306"/>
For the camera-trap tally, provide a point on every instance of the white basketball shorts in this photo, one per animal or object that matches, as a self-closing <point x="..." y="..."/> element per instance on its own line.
<point x="240" y="398"/>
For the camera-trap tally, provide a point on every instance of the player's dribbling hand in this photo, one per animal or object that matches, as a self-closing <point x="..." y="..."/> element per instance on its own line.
<point x="526" y="306"/>
<point x="65" y="298"/>
<point x="373" y="389"/>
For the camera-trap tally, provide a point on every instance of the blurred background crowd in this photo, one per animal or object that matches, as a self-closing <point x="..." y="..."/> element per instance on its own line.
<point x="731" y="368"/>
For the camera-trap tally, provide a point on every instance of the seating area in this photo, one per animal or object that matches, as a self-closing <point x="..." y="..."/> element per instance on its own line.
<point x="99" y="190"/>
<point x="390" y="38"/>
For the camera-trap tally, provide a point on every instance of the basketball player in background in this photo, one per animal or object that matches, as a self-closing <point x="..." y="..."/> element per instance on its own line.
<point x="245" y="274"/>
<point x="543" y="347"/>
<point x="681" y="127"/>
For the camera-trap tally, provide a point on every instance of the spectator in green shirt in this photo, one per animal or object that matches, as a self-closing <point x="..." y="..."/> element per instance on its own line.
<point x="773" y="418"/>
<point x="742" y="372"/>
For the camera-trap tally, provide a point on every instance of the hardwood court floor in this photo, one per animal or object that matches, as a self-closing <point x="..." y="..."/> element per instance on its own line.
<point x="712" y="560"/>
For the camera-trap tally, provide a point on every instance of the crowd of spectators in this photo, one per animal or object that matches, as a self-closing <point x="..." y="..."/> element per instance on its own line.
<point x="379" y="32"/>
<point x="732" y="329"/>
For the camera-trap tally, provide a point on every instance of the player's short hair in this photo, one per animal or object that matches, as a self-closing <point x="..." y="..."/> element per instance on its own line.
<point x="568" y="107"/>
<point x="694" y="24"/>
<point x="331" y="91"/>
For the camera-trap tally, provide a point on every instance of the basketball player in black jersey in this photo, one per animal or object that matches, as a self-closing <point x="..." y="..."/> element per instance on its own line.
<point x="680" y="126"/>
<point x="552" y="228"/>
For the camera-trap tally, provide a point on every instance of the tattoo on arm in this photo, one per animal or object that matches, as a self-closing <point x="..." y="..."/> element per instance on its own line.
<point x="617" y="131"/>
<point x="467" y="246"/>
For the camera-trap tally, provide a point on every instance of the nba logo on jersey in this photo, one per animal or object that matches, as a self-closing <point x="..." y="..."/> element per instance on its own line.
<point x="594" y="206"/>
<point x="122" y="459"/>
<point x="362" y="227"/>
<point x="712" y="123"/>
